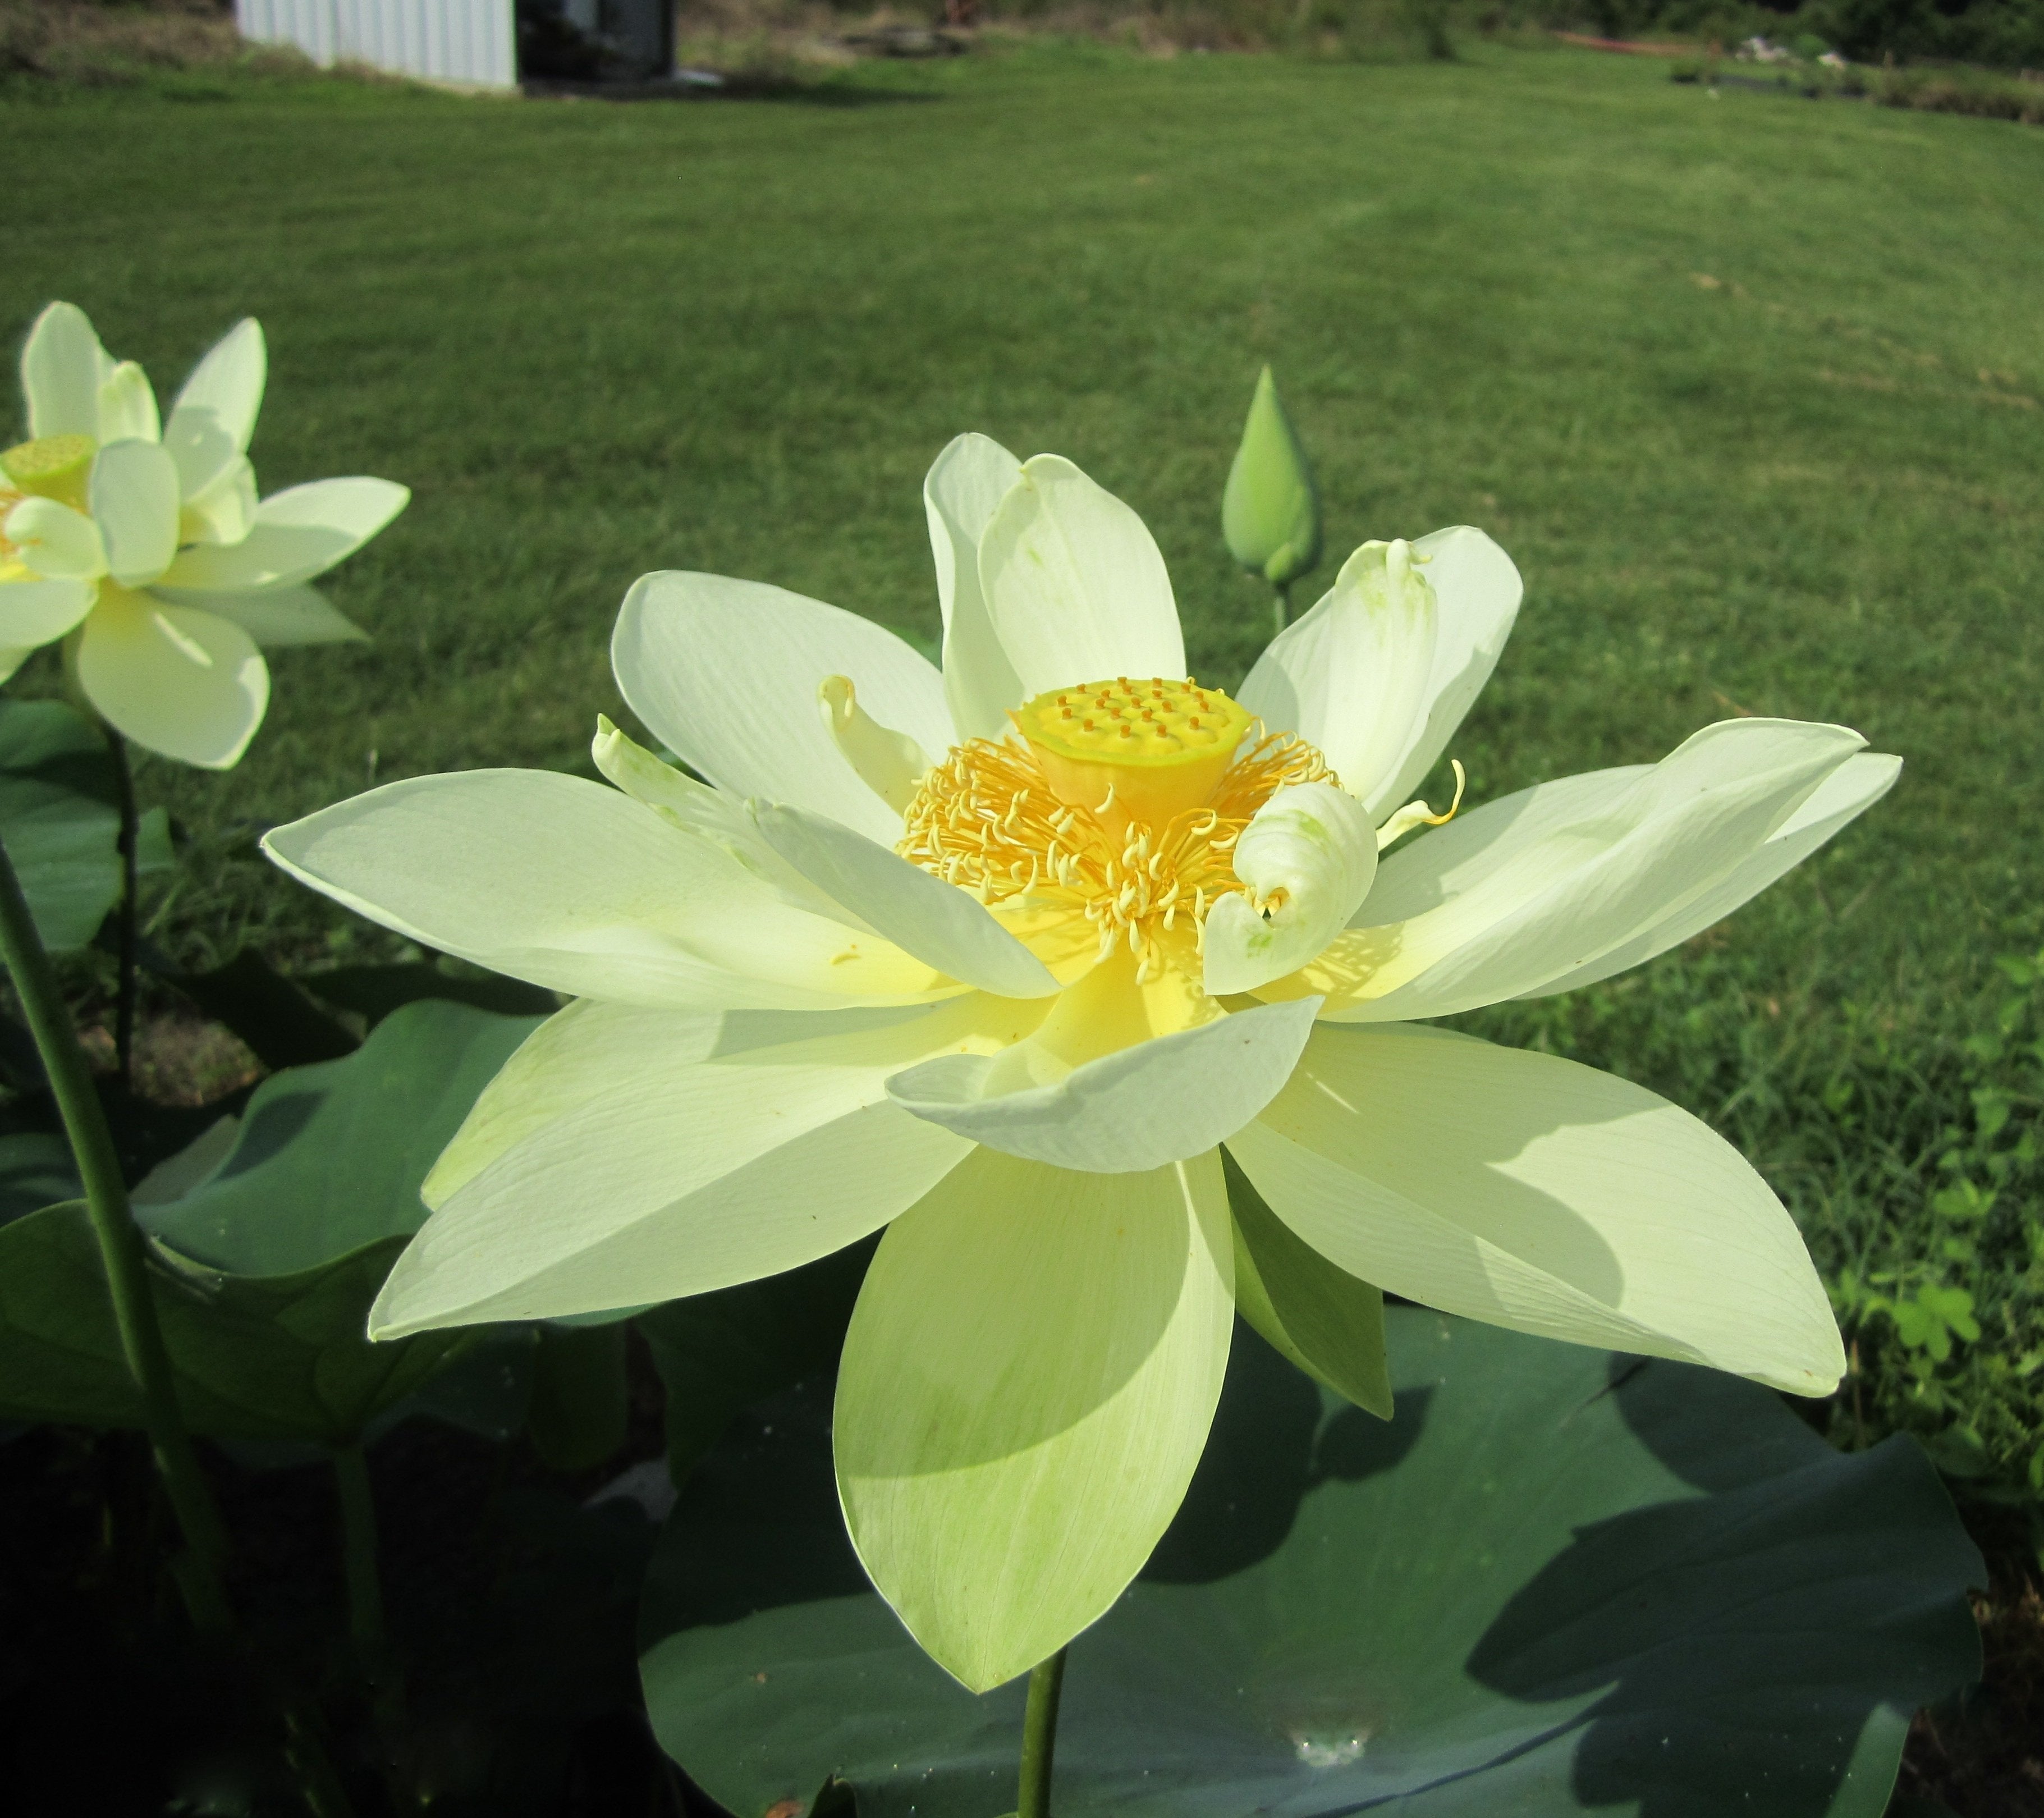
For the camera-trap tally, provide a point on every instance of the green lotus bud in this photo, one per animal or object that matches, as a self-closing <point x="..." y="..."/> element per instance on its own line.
<point x="1270" y="513"/>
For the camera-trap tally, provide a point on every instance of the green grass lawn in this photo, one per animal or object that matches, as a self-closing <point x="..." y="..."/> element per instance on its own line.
<point x="1749" y="386"/>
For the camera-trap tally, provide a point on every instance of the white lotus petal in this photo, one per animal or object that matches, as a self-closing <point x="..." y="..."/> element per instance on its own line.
<point x="1478" y="590"/>
<point x="889" y="763"/>
<point x="1313" y="849"/>
<point x="134" y="500"/>
<point x="579" y="888"/>
<point x="1029" y="1382"/>
<point x="276" y="616"/>
<point x="1073" y="583"/>
<point x="56" y="542"/>
<point x="298" y="534"/>
<point x="128" y="407"/>
<point x="626" y="1155"/>
<point x="176" y="680"/>
<point x="1153" y="1102"/>
<point x="1351" y="675"/>
<point x="36" y="612"/>
<point x="214" y="415"/>
<point x="725" y="673"/>
<point x="1530" y="1192"/>
<point x="1528" y="889"/>
<point x="62" y="368"/>
<point x="223" y="511"/>
<point x="946" y="927"/>
<point x="964" y="488"/>
<point x="1842" y="796"/>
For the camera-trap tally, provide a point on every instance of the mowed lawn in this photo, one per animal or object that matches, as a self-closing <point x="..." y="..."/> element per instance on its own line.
<point x="1750" y="387"/>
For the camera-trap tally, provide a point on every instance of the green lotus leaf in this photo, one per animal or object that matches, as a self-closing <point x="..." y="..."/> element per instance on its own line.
<point x="1559" y="1580"/>
<point x="60" y="819"/>
<point x="271" y="1239"/>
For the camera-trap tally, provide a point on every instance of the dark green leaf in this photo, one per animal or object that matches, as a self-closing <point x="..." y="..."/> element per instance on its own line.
<point x="280" y="1023"/>
<point x="1558" y="1581"/>
<point x="578" y="1408"/>
<point x="36" y="1170"/>
<point x="330" y="1158"/>
<point x="277" y="1234"/>
<point x="59" y="818"/>
<point x="373" y="992"/>
<point x="718" y="1353"/>
<point x="281" y="1357"/>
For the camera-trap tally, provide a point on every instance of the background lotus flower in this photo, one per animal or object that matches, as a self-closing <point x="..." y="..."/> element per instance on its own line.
<point x="146" y="542"/>
<point x="1002" y="957"/>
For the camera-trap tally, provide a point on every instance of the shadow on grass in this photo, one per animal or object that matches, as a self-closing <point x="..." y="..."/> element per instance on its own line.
<point x="740" y="87"/>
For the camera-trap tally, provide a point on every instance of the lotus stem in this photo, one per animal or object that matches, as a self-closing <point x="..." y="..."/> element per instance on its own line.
<point x="1280" y="604"/>
<point x="124" y="911"/>
<point x="121" y="1250"/>
<point x="1039" y="1737"/>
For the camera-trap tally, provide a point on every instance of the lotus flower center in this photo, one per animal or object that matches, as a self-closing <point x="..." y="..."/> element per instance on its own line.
<point x="51" y="467"/>
<point x="1121" y="802"/>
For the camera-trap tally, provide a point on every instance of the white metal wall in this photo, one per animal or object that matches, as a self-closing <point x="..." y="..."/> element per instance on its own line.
<point x="443" y="40"/>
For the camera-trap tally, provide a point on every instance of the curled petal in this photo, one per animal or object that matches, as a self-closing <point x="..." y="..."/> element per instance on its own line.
<point x="52" y="540"/>
<point x="1155" y="1102"/>
<point x="1351" y="676"/>
<point x="889" y="763"/>
<point x="1308" y="858"/>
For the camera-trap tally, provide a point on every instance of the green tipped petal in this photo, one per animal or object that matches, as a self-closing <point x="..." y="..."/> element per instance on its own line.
<point x="1026" y="1388"/>
<point x="1326" y="1321"/>
<point x="1270" y="513"/>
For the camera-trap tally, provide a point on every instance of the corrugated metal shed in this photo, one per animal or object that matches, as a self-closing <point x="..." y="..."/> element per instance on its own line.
<point x="442" y="40"/>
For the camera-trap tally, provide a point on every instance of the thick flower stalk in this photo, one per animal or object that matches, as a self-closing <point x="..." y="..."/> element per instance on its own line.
<point x="1003" y="958"/>
<point x="143" y="545"/>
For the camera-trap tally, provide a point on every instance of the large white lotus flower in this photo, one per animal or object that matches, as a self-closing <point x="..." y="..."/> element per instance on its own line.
<point x="1005" y="955"/>
<point x="145" y="544"/>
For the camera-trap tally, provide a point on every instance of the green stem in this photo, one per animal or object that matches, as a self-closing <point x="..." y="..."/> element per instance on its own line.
<point x="1039" y="1737"/>
<point x="121" y="1248"/>
<point x="358" y="1549"/>
<point x="124" y="912"/>
<point x="1280" y="605"/>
